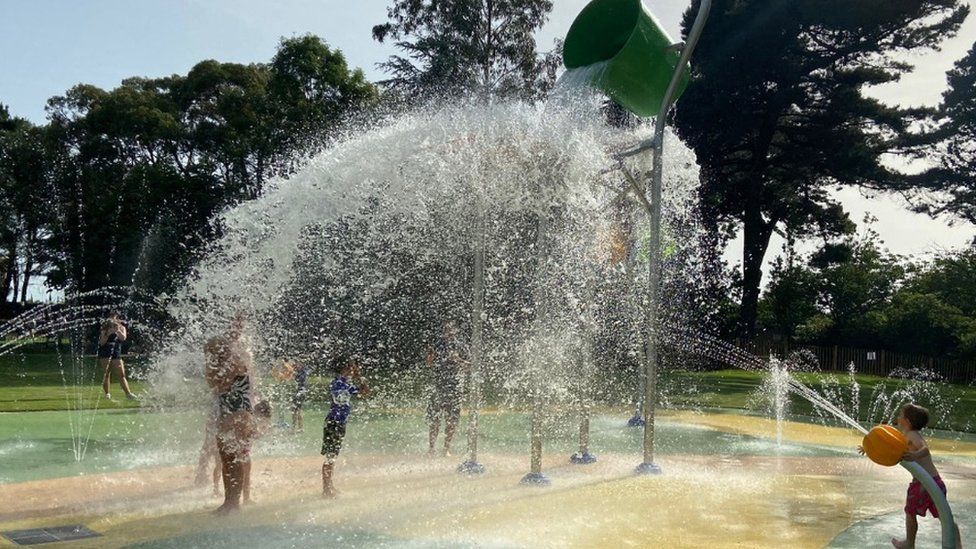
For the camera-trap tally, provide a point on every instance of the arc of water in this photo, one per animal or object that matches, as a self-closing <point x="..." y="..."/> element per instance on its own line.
<point x="16" y="323"/>
<point x="748" y="361"/>
<point x="53" y="328"/>
<point x="54" y="320"/>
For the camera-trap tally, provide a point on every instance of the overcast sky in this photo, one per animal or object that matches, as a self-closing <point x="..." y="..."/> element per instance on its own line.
<point x="47" y="46"/>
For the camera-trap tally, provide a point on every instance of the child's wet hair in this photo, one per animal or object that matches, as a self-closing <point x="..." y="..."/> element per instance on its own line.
<point x="263" y="409"/>
<point x="917" y="416"/>
<point x="342" y="360"/>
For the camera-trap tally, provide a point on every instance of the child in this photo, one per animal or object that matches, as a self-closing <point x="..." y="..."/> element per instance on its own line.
<point x="911" y="420"/>
<point x="110" y="339"/>
<point x="228" y="373"/>
<point x="262" y="421"/>
<point x="300" y="375"/>
<point x="447" y="368"/>
<point x="209" y="450"/>
<point x="347" y="383"/>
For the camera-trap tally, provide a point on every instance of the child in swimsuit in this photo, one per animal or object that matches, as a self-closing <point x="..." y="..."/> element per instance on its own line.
<point x="110" y="339"/>
<point x="228" y="373"/>
<point x="348" y="383"/>
<point x="448" y="366"/>
<point x="911" y="420"/>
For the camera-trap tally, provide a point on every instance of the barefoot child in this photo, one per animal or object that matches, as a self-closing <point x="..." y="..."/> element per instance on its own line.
<point x="228" y="373"/>
<point x="911" y="420"/>
<point x="209" y="451"/>
<point x="110" y="339"/>
<point x="262" y="422"/>
<point x="447" y="367"/>
<point x="347" y="383"/>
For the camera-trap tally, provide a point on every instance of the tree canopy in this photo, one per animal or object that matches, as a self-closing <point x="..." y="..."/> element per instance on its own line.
<point x="128" y="181"/>
<point x="777" y="116"/>
<point x="454" y="47"/>
<point x="854" y="292"/>
<point x="949" y="186"/>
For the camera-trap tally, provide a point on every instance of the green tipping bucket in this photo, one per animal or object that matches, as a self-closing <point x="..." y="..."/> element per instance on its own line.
<point x="634" y="46"/>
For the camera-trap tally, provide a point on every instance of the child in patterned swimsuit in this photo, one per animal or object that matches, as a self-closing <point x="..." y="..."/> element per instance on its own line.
<point x="228" y="373"/>
<point x="911" y="420"/>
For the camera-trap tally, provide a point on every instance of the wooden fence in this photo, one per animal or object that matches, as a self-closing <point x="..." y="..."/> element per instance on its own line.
<point x="877" y="362"/>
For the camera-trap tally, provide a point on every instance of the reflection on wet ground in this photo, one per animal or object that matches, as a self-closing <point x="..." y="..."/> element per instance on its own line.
<point x="725" y="482"/>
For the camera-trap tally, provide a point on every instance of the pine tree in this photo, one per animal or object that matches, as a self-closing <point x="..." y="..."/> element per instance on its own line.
<point x="777" y="115"/>
<point x="462" y="47"/>
<point x="949" y="187"/>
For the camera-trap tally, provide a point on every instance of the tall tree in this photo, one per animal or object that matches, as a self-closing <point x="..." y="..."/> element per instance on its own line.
<point x="952" y="278"/>
<point x="777" y="115"/>
<point x="858" y="277"/>
<point x="25" y="215"/>
<point x="310" y="92"/>
<point x="454" y="47"/>
<point x="141" y="170"/>
<point x="790" y="299"/>
<point x="949" y="187"/>
<point x="934" y="312"/>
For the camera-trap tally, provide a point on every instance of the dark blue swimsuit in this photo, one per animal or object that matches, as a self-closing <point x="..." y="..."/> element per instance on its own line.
<point x="111" y="349"/>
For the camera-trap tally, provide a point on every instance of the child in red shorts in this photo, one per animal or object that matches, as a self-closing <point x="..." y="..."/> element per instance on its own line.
<point x="911" y="420"/>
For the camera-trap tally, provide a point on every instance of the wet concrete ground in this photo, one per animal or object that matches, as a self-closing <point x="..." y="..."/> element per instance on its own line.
<point x="393" y="500"/>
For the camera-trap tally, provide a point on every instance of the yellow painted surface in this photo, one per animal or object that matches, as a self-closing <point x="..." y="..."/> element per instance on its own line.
<point x="805" y="433"/>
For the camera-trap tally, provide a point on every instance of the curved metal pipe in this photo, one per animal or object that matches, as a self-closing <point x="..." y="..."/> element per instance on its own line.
<point x="941" y="503"/>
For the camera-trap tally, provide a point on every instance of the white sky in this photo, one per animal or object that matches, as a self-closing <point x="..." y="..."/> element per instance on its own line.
<point x="46" y="46"/>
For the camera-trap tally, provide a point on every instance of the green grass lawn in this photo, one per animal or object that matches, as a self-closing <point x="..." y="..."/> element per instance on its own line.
<point x="953" y="405"/>
<point x="35" y="381"/>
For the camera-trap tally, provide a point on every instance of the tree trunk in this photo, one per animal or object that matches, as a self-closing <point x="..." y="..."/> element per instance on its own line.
<point x="756" y="230"/>
<point x="756" y="233"/>
<point x="10" y="279"/>
<point x="259" y="175"/>
<point x="15" y="275"/>
<point x="28" y="268"/>
<point x="5" y="287"/>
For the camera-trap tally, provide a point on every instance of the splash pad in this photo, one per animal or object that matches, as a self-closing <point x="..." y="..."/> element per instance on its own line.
<point x="725" y="474"/>
<point x="495" y="217"/>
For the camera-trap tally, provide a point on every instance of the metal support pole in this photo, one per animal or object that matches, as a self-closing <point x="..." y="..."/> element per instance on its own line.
<point x="471" y="466"/>
<point x="584" y="457"/>
<point x="584" y="437"/>
<point x="654" y="272"/>
<point x="535" y="475"/>
<point x="585" y="367"/>
<point x="535" y="461"/>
